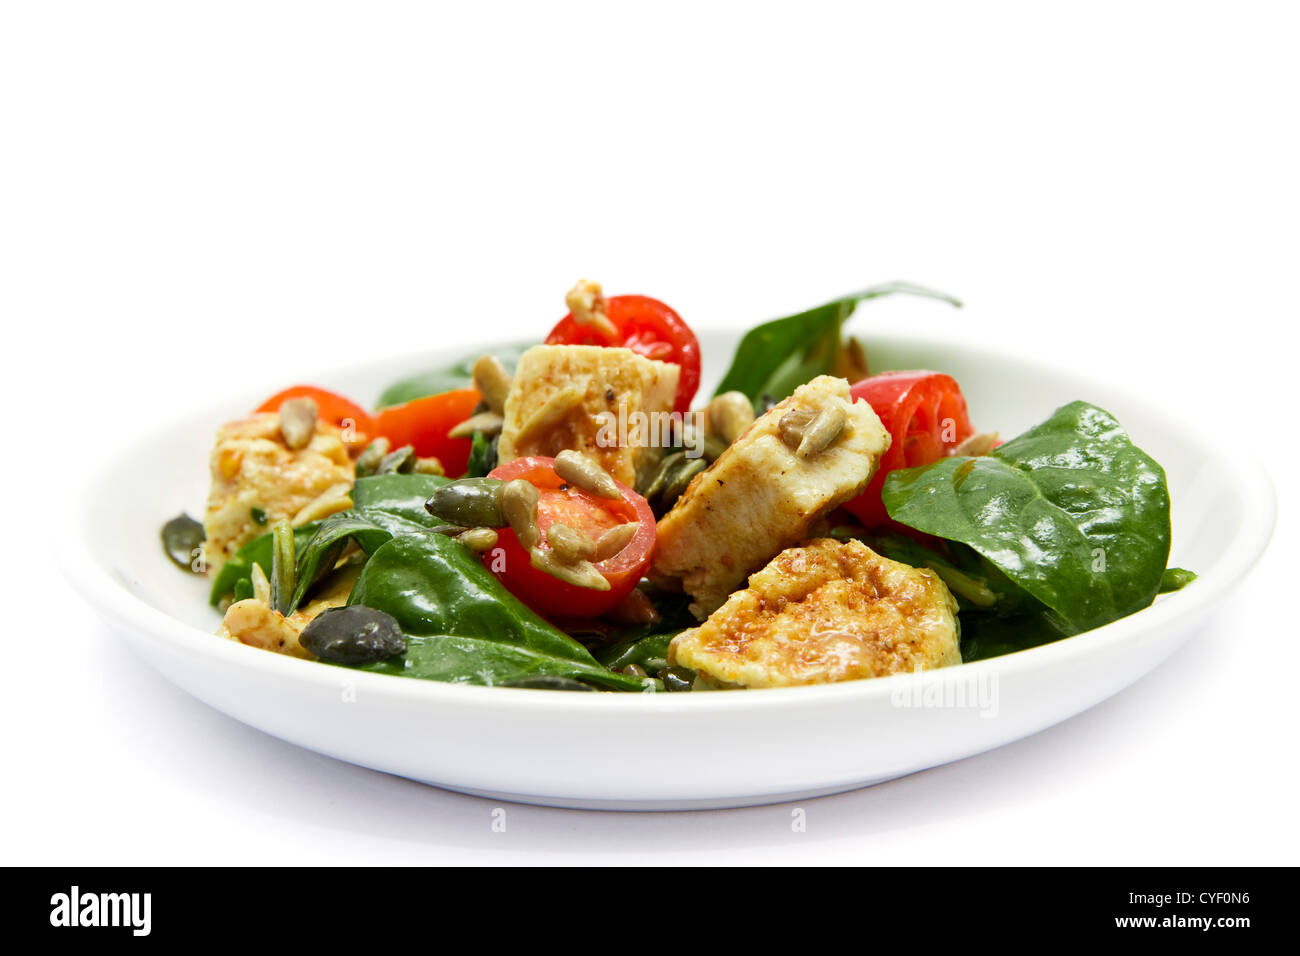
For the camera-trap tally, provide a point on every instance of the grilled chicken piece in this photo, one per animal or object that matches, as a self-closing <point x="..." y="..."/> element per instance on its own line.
<point x="573" y="397"/>
<point x="253" y="467"/>
<point x="761" y="496"/>
<point x="829" y="611"/>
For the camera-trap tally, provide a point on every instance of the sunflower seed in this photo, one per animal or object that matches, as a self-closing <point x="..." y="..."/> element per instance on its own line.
<point x="577" y="469"/>
<point x="587" y="305"/>
<point x="519" y="505"/>
<point x="981" y="443"/>
<point x="298" y="422"/>
<point x="729" y="415"/>
<point x="489" y="423"/>
<point x="582" y="574"/>
<point x="614" y="540"/>
<point x="493" y="381"/>
<point x="792" y="425"/>
<point x="822" y="430"/>
<point x="569" y="544"/>
<point x="478" y="540"/>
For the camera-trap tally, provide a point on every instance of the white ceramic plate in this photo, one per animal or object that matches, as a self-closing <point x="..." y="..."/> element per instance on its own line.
<point x="608" y="750"/>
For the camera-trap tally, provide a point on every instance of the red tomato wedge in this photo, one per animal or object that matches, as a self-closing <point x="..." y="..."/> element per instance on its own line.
<point x="424" y="424"/>
<point x="593" y="515"/>
<point x="331" y="407"/>
<point x="647" y="327"/>
<point x="925" y="415"/>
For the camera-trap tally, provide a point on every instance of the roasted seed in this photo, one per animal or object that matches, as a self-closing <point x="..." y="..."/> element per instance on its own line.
<point x="681" y="480"/>
<point x="577" y="469"/>
<point x="614" y="540"/>
<point x="427" y="466"/>
<point x="587" y="305"/>
<point x="822" y="430"/>
<point x="399" y="461"/>
<point x="493" y="381"/>
<point x="981" y="443"/>
<point x="677" y="679"/>
<point x="353" y="635"/>
<point x="489" y="423"/>
<point x="569" y="544"/>
<point x="298" y="421"/>
<point x="519" y="507"/>
<point x="582" y="574"/>
<point x="729" y="415"/>
<point x="662" y="474"/>
<point x="368" y="461"/>
<point x="792" y="425"/>
<point x="469" y="502"/>
<point x="478" y="540"/>
<point x="182" y="539"/>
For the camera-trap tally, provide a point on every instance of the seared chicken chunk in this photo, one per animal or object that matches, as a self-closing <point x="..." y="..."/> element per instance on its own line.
<point x="763" y="495"/>
<point x="830" y="611"/>
<point x="575" y="397"/>
<point x="253" y="466"/>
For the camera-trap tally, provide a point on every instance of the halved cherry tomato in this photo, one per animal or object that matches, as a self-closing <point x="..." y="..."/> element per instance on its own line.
<point x="647" y="327"/>
<point x="925" y="415"/>
<point x="425" y="422"/>
<point x="562" y="503"/>
<point x="331" y="407"/>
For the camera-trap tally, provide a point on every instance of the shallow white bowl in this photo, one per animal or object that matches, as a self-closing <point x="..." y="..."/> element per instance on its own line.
<point x="632" y="751"/>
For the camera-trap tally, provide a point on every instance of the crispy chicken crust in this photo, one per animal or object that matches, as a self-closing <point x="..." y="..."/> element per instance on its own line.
<point x="830" y="611"/>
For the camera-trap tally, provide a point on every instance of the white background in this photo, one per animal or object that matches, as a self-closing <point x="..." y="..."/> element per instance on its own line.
<point x="197" y="200"/>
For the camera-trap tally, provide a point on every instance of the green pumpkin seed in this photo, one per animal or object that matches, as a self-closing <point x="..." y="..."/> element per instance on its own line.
<point x="469" y="502"/>
<point x="182" y="539"/>
<point x="353" y="635"/>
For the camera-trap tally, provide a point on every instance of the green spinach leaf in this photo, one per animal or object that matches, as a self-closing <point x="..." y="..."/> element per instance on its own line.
<point x="775" y="358"/>
<point x="1071" y="511"/>
<point x="435" y="587"/>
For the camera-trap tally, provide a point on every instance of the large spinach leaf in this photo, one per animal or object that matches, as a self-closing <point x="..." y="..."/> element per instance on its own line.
<point x="436" y="588"/>
<point x="775" y="358"/>
<point x="437" y="381"/>
<point x="1072" y="511"/>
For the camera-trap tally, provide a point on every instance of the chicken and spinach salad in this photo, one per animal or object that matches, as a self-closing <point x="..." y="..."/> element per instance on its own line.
<point x="567" y="515"/>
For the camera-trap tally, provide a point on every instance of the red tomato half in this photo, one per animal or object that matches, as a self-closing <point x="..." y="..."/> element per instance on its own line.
<point x="331" y="407"/>
<point x="565" y="504"/>
<point x="424" y="424"/>
<point x="925" y="415"/>
<point x="647" y="327"/>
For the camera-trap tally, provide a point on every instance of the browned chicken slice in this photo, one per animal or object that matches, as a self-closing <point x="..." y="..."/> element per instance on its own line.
<point x="829" y="611"/>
